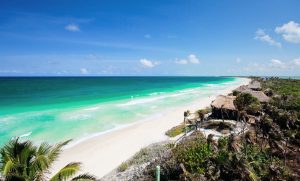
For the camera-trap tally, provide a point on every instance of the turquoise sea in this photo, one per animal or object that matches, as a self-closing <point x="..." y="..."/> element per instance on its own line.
<point x="59" y="108"/>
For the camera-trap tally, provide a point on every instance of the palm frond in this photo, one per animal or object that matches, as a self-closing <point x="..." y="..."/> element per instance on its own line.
<point x="84" y="177"/>
<point x="23" y="160"/>
<point x="8" y="167"/>
<point x="14" y="178"/>
<point x="67" y="172"/>
<point x="16" y="157"/>
<point x="252" y="176"/>
<point x="56" y="150"/>
<point x="41" y="162"/>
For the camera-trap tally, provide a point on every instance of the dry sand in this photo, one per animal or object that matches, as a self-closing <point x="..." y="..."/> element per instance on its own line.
<point x="101" y="154"/>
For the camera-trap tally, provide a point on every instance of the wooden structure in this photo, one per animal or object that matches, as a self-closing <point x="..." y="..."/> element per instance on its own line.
<point x="255" y="85"/>
<point x="254" y="89"/>
<point x="223" y="108"/>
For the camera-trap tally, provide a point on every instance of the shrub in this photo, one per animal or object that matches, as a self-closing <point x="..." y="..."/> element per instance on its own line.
<point x="177" y="130"/>
<point x="235" y="93"/>
<point x="123" y="167"/>
<point x="222" y="157"/>
<point x="202" y="112"/>
<point x="193" y="154"/>
<point x="222" y="143"/>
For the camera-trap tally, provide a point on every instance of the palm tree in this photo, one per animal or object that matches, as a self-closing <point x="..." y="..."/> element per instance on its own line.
<point x="25" y="162"/>
<point x="185" y="115"/>
<point x="233" y="145"/>
<point x="201" y="114"/>
<point x="222" y="112"/>
<point x="243" y="103"/>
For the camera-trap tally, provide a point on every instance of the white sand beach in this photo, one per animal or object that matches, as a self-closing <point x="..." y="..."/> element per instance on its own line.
<point x="101" y="154"/>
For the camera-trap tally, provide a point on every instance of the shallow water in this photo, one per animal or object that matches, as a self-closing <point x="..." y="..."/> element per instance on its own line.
<point x="55" y="108"/>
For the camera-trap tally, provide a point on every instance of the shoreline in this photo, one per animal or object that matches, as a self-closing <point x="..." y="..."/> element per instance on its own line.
<point x="102" y="152"/>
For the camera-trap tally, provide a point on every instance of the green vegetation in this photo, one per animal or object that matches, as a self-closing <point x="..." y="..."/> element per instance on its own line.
<point x="22" y="161"/>
<point x="193" y="154"/>
<point x="198" y="158"/>
<point x="228" y="157"/>
<point x="123" y="167"/>
<point x="283" y="110"/>
<point x="287" y="93"/>
<point x="140" y="157"/>
<point x="268" y="151"/>
<point x="202" y="112"/>
<point x="244" y="103"/>
<point x="283" y="86"/>
<point x="177" y="130"/>
<point x="144" y="155"/>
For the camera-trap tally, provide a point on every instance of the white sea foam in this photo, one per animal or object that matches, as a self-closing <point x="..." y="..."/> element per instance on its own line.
<point x="156" y="96"/>
<point x="210" y="85"/>
<point x="92" y="108"/>
<point x="150" y="99"/>
<point x="156" y="93"/>
<point x="25" y="135"/>
<point x="141" y="101"/>
<point x="6" y="119"/>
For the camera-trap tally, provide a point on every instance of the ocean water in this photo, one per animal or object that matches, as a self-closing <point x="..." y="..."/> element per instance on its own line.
<point x="54" y="109"/>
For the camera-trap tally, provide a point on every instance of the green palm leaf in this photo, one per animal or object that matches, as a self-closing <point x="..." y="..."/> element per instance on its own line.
<point x="24" y="161"/>
<point x="56" y="150"/>
<point x="84" y="177"/>
<point x="66" y="172"/>
<point x="8" y="167"/>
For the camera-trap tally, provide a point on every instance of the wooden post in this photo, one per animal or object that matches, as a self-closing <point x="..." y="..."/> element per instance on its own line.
<point x="185" y="114"/>
<point x="157" y="173"/>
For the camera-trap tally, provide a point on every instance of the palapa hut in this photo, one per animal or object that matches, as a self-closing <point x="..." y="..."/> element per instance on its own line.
<point x="223" y="108"/>
<point x="261" y="96"/>
<point x="255" y="85"/>
<point x="241" y="88"/>
<point x="253" y="89"/>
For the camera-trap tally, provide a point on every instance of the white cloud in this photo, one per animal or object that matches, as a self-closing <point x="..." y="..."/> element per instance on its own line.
<point x="238" y="60"/>
<point x="148" y="36"/>
<point x="148" y="63"/>
<point x="296" y="62"/>
<point x="290" y="32"/>
<point x="72" y="27"/>
<point x="182" y="61"/>
<point x="274" y="66"/>
<point x="193" y="59"/>
<point x="275" y="63"/>
<point x="84" y="71"/>
<point x="262" y="36"/>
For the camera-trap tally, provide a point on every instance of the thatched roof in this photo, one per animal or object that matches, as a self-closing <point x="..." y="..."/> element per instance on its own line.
<point x="261" y="96"/>
<point x="253" y="90"/>
<point x="242" y="88"/>
<point x="225" y="102"/>
<point x="255" y="85"/>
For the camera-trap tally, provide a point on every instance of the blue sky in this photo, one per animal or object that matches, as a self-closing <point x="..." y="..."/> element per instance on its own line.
<point x="141" y="37"/>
